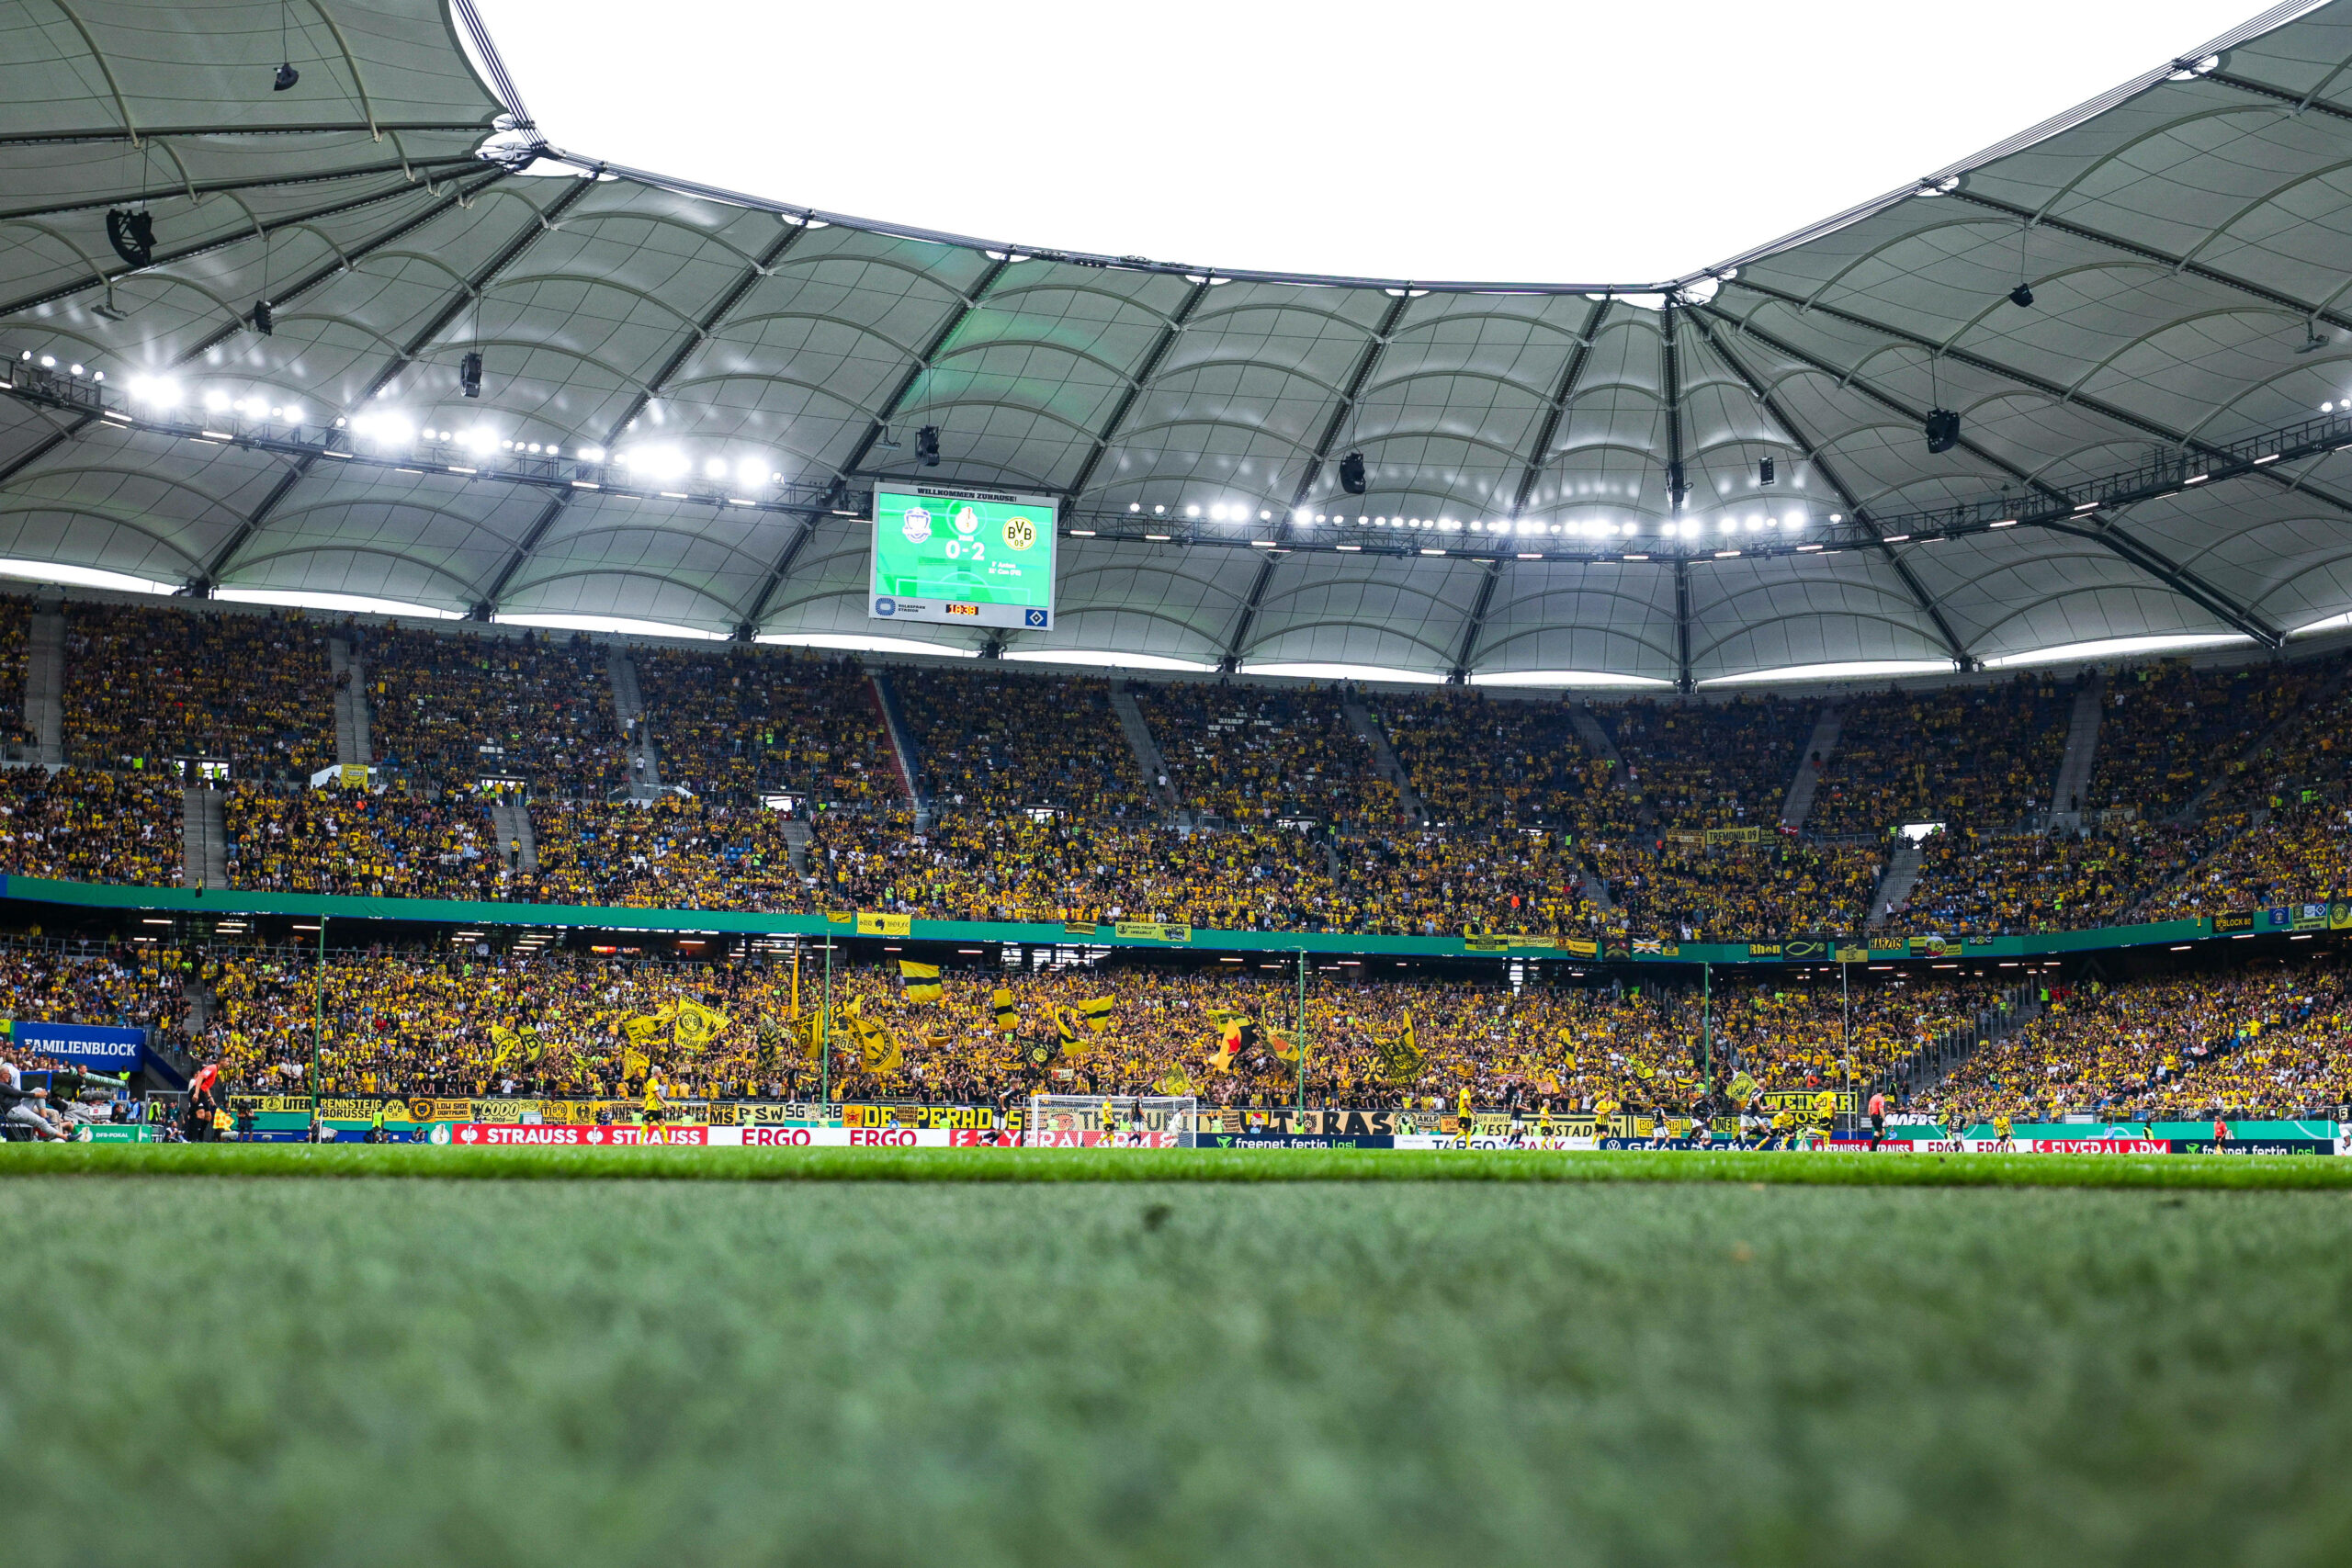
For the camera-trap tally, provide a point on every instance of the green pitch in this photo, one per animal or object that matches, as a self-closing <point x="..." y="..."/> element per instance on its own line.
<point x="1201" y="1370"/>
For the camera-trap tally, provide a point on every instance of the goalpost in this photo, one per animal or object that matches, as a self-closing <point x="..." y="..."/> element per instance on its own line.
<point x="1112" y="1121"/>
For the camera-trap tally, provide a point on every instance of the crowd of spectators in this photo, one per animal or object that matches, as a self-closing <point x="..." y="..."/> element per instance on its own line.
<point x="391" y="844"/>
<point x="1255" y="755"/>
<point x="674" y="853"/>
<point x="1980" y="885"/>
<point x="448" y="709"/>
<point x="1709" y="764"/>
<point x="1984" y="756"/>
<point x="411" y="1021"/>
<point x="995" y="742"/>
<point x="143" y="686"/>
<point x="2262" y="1039"/>
<point x="2170" y="731"/>
<point x="15" y="627"/>
<point x="1763" y="891"/>
<point x="81" y="826"/>
<point x="1483" y="764"/>
<point x="734" y="724"/>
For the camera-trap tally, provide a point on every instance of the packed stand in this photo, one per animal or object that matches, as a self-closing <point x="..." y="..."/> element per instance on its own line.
<point x="1706" y="764"/>
<point x="448" y="709"/>
<point x="1252" y="755"/>
<point x="670" y="853"/>
<point x="1481" y="764"/>
<point x="735" y="725"/>
<point x="143" y="686"/>
<point x="74" y="826"/>
<point x="1766" y="891"/>
<point x="1977" y="887"/>
<point x="15" y="629"/>
<point x="995" y="742"/>
<point x="2170" y="731"/>
<point x="2267" y="1039"/>
<point x="1985" y="756"/>
<point x="391" y="844"/>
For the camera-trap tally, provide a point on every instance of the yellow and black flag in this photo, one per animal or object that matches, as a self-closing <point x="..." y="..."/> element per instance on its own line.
<point x="506" y="1040"/>
<point x="1400" y="1058"/>
<point x="1008" y="1017"/>
<point x="923" y="980"/>
<point x="1096" y="1011"/>
<point x="695" y="1025"/>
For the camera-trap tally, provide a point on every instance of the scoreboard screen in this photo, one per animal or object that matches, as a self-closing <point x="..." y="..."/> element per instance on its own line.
<point x="960" y="556"/>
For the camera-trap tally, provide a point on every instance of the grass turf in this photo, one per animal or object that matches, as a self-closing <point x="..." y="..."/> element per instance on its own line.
<point x="2289" y="1172"/>
<point x="208" y="1371"/>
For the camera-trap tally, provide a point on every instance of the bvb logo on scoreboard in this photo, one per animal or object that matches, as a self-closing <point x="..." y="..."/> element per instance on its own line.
<point x="1020" y="533"/>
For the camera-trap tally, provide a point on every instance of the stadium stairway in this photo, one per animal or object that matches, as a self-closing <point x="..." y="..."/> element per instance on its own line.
<point x="1148" y="761"/>
<point x="1369" y="729"/>
<point x="350" y="703"/>
<point x="629" y="713"/>
<point x="796" y="845"/>
<point x="1797" y="804"/>
<point x="903" y="753"/>
<point x="512" y="819"/>
<point x="1597" y="742"/>
<point x="2082" y="750"/>
<point x="1902" y="875"/>
<point x="45" y="682"/>
<point x="204" y="839"/>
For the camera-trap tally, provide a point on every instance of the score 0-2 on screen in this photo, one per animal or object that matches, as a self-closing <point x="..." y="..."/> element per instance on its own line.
<point x="959" y="556"/>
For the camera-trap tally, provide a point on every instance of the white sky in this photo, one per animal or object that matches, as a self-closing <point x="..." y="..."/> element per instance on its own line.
<point x="1490" y="139"/>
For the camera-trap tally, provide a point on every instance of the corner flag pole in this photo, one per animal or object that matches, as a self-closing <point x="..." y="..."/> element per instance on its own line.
<point x="318" y="1015"/>
<point x="1302" y="1031"/>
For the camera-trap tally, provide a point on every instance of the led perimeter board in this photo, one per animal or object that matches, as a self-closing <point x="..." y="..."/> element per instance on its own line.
<point x="958" y="555"/>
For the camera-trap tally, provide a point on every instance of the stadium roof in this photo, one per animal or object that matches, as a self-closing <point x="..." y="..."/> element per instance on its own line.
<point x="2142" y="451"/>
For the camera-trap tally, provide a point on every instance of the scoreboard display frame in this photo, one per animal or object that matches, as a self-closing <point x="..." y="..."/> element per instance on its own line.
<point x="963" y="556"/>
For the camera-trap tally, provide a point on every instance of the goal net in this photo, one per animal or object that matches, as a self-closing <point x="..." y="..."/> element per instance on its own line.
<point x="1110" y="1121"/>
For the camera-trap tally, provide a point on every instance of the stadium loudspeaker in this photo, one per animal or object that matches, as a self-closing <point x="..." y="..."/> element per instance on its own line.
<point x="1351" y="475"/>
<point x="287" y="76"/>
<point x="132" y="235"/>
<point x="1764" y="471"/>
<point x="1943" y="430"/>
<point x="469" y="374"/>
<point x="2020" y="296"/>
<point x="265" y="320"/>
<point x="927" y="445"/>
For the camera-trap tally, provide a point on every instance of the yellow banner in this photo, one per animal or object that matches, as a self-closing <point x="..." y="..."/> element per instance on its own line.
<point x="353" y="776"/>
<point x="885" y="925"/>
<point x="1153" y="931"/>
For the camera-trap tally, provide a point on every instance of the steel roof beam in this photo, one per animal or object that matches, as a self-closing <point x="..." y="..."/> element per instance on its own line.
<point x="332" y="269"/>
<point x="1539" y="451"/>
<point x="206" y="247"/>
<point x="2149" y="254"/>
<point x="2173" y="575"/>
<point x="1682" y="682"/>
<point x="710" y="321"/>
<point x="1357" y="378"/>
<point x="1854" y="507"/>
<point x="1127" y="399"/>
<point x="839" y="489"/>
<point x="2053" y="390"/>
<point x="223" y="187"/>
<point x="1460" y="674"/>
<point x="174" y="132"/>
<point x="541" y="223"/>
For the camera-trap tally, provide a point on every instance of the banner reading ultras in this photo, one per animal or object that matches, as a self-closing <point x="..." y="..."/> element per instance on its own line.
<point x="963" y="557"/>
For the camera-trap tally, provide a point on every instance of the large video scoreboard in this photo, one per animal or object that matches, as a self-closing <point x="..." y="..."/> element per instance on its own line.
<point x="961" y="555"/>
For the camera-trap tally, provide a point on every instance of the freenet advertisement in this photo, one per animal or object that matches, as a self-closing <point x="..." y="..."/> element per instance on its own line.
<point x="956" y="555"/>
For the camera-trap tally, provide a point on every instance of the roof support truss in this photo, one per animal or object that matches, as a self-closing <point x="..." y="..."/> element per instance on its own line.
<point x="2112" y="537"/>
<point x="1127" y="399"/>
<point x="1828" y="470"/>
<point x="710" y="321"/>
<point x="1366" y="363"/>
